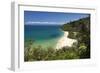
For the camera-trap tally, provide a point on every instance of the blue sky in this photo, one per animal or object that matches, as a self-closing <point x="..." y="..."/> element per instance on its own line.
<point x="50" y="18"/>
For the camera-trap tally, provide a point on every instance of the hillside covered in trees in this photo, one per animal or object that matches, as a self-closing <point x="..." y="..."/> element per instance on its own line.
<point x="80" y="30"/>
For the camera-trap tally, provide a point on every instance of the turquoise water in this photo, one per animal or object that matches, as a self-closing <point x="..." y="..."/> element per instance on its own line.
<point x="43" y="35"/>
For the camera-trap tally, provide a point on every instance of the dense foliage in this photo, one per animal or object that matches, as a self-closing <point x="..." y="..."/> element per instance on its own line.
<point x="79" y="30"/>
<point x="38" y="53"/>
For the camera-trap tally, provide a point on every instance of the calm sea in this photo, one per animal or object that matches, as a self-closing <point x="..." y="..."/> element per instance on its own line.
<point x="43" y="35"/>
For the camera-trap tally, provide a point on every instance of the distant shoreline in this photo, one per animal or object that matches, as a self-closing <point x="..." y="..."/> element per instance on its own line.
<point x="65" y="41"/>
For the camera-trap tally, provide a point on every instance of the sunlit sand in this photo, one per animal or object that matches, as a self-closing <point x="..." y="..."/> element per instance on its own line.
<point x="65" y="41"/>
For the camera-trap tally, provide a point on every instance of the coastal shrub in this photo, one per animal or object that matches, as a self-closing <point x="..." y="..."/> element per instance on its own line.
<point x="38" y="54"/>
<point x="72" y="35"/>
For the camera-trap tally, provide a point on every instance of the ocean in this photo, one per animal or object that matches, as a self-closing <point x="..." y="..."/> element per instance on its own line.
<point x="43" y="35"/>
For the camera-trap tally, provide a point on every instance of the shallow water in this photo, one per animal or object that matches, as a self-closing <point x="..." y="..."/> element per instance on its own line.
<point x="43" y="35"/>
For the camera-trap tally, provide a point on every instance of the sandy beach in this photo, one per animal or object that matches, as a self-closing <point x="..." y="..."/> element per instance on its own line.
<point x="65" y="41"/>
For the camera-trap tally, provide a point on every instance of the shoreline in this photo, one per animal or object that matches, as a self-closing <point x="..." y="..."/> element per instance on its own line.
<point x="65" y="41"/>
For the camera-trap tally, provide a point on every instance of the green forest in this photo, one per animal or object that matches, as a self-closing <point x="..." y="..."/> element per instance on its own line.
<point x="79" y="30"/>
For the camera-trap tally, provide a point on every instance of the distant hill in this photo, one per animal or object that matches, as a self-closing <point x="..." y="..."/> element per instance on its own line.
<point x="78" y="25"/>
